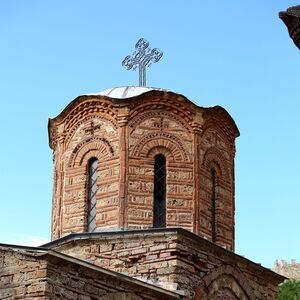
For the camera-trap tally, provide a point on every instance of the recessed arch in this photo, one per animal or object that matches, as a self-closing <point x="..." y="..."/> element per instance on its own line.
<point x="213" y="158"/>
<point x="138" y="119"/>
<point x="72" y="129"/>
<point x="171" y="142"/>
<point x="224" y="278"/>
<point x="218" y="117"/>
<point x="167" y="102"/>
<point x="93" y="146"/>
<point x="161" y="150"/>
<point x="83" y="106"/>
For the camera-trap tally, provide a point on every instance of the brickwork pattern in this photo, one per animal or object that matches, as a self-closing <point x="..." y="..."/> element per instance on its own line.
<point x="21" y="277"/>
<point x="35" y="274"/>
<point x="215" y="153"/>
<point x="159" y="132"/>
<point x="125" y="135"/>
<point x="177" y="260"/>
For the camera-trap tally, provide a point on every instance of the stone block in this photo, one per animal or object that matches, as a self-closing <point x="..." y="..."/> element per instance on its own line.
<point x="36" y="287"/>
<point x="139" y="251"/>
<point x="6" y="293"/>
<point x="5" y="280"/>
<point x="105" y="247"/>
<point x="151" y="257"/>
<point x="158" y="247"/>
<point x="91" y="289"/>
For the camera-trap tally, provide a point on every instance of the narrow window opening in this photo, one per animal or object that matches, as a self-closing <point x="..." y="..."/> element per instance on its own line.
<point x="213" y="205"/>
<point x="159" y="203"/>
<point x="92" y="192"/>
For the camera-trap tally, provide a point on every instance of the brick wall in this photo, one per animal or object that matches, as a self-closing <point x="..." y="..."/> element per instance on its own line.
<point x="39" y="274"/>
<point x="87" y="141"/>
<point x="21" y="275"/>
<point x="125" y="135"/>
<point x="160" y="132"/>
<point x="216" y="153"/>
<point x="176" y="260"/>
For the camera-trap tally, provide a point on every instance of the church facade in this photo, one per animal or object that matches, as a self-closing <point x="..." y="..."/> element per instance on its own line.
<point x="143" y="194"/>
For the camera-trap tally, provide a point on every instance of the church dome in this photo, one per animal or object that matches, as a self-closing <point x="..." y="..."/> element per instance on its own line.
<point x="124" y="92"/>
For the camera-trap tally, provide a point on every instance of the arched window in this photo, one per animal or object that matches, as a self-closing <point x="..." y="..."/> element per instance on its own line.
<point x="159" y="203"/>
<point x="92" y="192"/>
<point x="213" y="205"/>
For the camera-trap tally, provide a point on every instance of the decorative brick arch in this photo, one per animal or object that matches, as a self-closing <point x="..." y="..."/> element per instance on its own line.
<point x="167" y="102"/>
<point x="165" y="140"/>
<point x="71" y="130"/>
<point x="215" y="134"/>
<point x="218" y="198"/>
<point x="159" y="113"/>
<point x="218" y="117"/>
<point x="88" y="107"/>
<point x="161" y="150"/>
<point x="214" y="158"/>
<point x="92" y="147"/>
<point x="224" y="282"/>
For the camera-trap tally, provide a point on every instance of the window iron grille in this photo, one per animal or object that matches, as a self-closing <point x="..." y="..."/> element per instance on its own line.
<point x="159" y="203"/>
<point x="213" y="205"/>
<point x="92" y="192"/>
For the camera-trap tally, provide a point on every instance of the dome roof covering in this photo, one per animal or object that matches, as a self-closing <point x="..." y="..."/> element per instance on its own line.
<point x="126" y="91"/>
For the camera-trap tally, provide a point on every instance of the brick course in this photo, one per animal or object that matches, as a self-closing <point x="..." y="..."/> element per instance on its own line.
<point x="125" y="135"/>
<point x="174" y="259"/>
<point x="35" y="273"/>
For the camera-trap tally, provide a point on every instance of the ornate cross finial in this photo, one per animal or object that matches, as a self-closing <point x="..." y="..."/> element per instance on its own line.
<point x="142" y="57"/>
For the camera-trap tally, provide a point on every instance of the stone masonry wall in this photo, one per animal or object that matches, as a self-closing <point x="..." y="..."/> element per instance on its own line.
<point x="288" y="269"/>
<point x="177" y="260"/>
<point x="34" y="274"/>
<point x="69" y="280"/>
<point x="22" y="275"/>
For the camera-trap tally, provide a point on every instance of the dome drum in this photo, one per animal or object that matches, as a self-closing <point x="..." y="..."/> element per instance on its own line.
<point x="155" y="152"/>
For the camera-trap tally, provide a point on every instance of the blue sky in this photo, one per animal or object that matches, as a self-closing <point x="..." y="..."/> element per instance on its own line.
<point x="231" y="53"/>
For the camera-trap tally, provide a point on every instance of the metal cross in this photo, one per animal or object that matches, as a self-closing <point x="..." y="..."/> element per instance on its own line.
<point x="142" y="58"/>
